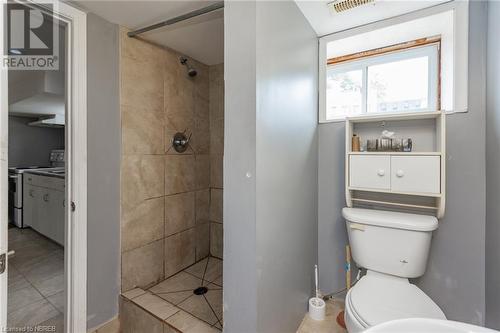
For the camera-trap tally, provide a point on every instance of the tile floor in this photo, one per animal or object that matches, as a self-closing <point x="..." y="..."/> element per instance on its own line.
<point x="329" y="325"/>
<point x="36" y="280"/>
<point x="189" y="301"/>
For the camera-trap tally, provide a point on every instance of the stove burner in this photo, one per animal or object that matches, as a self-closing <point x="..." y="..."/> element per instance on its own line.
<point x="200" y="291"/>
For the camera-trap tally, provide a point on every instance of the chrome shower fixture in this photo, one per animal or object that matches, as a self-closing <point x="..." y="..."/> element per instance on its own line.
<point x="190" y="70"/>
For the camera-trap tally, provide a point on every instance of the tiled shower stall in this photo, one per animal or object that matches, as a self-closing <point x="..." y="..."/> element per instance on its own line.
<point x="171" y="203"/>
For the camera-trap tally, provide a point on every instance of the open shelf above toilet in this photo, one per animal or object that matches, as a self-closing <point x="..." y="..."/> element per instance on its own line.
<point x="412" y="180"/>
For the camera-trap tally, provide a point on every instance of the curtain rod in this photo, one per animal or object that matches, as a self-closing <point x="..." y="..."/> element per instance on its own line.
<point x="194" y="13"/>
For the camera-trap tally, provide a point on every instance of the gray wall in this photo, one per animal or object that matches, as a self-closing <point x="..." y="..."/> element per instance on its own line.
<point x="493" y="169"/>
<point x="30" y="145"/>
<point x="270" y="132"/>
<point x="287" y="155"/>
<point x="456" y="271"/>
<point x="240" y="274"/>
<point x="103" y="253"/>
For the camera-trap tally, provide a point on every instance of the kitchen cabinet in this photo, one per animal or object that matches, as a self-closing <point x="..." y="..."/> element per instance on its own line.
<point x="44" y="200"/>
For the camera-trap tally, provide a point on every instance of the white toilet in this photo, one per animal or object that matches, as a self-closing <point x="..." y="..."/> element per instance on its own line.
<point x="392" y="247"/>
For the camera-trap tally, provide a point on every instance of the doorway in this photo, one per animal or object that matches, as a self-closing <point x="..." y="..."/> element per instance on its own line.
<point x="43" y="134"/>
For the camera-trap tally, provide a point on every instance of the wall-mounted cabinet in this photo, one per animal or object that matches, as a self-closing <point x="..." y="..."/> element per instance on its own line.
<point x="411" y="180"/>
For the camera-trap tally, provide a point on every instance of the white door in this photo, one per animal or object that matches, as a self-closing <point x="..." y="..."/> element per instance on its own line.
<point x="370" y="172"/>
<point x="3" y="178"/>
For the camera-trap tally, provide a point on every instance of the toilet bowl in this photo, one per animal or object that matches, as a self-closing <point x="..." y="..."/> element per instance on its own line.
<point x="392" y="247"/>
<point x="378" y="298"/>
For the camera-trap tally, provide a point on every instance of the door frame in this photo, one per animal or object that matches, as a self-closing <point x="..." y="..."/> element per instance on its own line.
<point x="75" y="316"/>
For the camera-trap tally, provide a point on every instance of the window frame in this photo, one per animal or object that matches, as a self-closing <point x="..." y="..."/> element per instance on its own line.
<point x="363" y="60"/>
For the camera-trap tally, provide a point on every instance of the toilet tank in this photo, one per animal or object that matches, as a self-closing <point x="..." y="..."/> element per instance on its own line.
<point x="390" y="242"/>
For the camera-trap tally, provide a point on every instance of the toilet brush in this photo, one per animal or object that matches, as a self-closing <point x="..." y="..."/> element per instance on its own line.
<point x="317" y="306"/>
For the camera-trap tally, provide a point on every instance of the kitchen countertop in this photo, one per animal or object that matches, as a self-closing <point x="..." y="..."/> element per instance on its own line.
<point x="48" y="173"/>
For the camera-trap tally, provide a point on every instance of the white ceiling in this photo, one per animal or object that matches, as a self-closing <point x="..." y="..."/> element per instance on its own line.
<point x="324" y="23"/>
<point x="201" y="38"/>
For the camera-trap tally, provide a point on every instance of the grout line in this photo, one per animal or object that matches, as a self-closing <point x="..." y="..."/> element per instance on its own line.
<point x="172" y="292"/>
<point x="213" y="311"/>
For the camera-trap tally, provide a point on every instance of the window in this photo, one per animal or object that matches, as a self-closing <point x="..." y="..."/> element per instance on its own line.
<point x="405" y="80"/>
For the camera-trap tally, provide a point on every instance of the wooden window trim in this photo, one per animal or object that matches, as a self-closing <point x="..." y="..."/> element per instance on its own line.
<point x="395" y="48"/>
<point x="385" y="49"/>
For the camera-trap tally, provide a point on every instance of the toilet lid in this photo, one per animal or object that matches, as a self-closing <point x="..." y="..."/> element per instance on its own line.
<point x="377" y="299"/>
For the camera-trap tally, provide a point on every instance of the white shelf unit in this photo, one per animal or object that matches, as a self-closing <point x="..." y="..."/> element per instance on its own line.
<point x="413" y="180"/>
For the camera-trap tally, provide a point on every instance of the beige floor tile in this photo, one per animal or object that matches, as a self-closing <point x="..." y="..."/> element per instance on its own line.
<point x="20" y="298"/>
<point x="329" y="325"/>
<point x="198" y="306"/>
<point x="208" y="272"/>
<point x="50" y="286"/>
<point x="57" y="300"/>
<point x="32" y="315"/>
<point x="187" y="323"/>
<point x="177" y="288"/>
<point x="156" y="305"/>
<point x="214" y="298"/>
<point x="218" y="281"/>
<point x="131" y="294"/>
<point x="45" y="269"/>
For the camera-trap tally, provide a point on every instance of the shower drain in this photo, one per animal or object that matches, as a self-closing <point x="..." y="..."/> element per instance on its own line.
<point x="200" y="291"/>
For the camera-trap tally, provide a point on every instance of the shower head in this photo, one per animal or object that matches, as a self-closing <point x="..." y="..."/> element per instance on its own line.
<point x="190" y="70"/>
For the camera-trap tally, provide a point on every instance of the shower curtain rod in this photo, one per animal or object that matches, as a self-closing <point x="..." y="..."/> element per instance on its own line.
<point x="194" y="13"/>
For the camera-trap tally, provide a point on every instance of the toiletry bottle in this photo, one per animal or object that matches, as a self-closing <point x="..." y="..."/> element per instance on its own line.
<point x="355" y="143"/>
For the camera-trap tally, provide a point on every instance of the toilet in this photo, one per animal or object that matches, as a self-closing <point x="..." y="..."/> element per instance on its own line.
<point x="393" y="247"/>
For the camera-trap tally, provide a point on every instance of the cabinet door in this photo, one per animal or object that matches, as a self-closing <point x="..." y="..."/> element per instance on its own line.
<point x="57" y="209"/>
<point x="370" y="172"/>
<point x="30" y="194"/>
<point x="418" y="174"/>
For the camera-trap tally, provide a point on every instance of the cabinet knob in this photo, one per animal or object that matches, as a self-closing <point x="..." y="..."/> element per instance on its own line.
<point x="400" y="173"/>
<point x="381" y="172"/>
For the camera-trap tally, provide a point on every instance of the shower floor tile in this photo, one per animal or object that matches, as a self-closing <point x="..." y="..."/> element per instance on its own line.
<point x="195" y="293"/>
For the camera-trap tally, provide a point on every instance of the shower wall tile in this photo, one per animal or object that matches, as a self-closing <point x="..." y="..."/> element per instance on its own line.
<point x="179" y="173"/>
<point x="216" y="170"/>
<point x="217" y="136"/>
<point x="216" y="205"/>
<point x="179" y="212"/>
<point x="141" y="84"/>
<point x="143" y="267"/>
<point x="165" y="195"/>
<point x="201" y="136"/>
<point x="142" y="178"/>
<point x="202" y="232"/>
<point x="142" y="224"/>
<point x="179" y="251"/>
<point x="216" y="239"/>
<point x="138" y="50"/>
<point x="142" y="130"/>
<point x="202" y="169"/>
<point x="202" y="206"/>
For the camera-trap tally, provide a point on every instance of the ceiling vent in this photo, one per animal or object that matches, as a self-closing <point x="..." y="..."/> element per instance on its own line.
<point x="339" y="6"/>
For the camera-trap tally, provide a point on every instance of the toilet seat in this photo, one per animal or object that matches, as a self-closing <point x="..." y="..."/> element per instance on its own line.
<point x="378" y="298"/>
